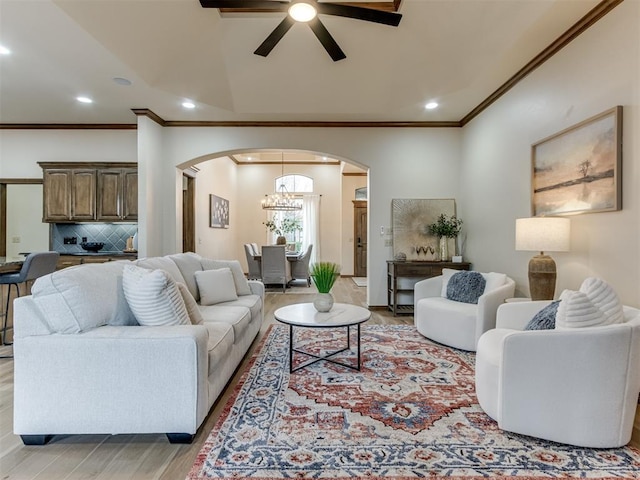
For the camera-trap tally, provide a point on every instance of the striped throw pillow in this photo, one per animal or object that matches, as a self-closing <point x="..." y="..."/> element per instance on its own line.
<point x="153" y="297"/>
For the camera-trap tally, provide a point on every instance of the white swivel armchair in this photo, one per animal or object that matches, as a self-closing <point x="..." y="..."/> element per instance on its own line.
<point x="576" y="386"/>
<point x="453" y="323"/>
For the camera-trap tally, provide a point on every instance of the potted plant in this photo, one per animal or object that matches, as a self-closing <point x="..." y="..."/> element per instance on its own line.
<point x="445" y="228"/>
<point x="282" y="227"/>
<point x="324" y="275"/>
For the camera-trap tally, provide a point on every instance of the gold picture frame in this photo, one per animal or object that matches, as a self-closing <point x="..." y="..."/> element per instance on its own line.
<point x="579" y="170"/>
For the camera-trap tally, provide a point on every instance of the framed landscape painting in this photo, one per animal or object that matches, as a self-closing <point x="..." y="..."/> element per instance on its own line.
<point x="579" y="169"/>
<point x="219" y="210"/>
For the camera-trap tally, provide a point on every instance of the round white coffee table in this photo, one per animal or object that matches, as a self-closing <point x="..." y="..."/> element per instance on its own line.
<point x="304" y="315"/>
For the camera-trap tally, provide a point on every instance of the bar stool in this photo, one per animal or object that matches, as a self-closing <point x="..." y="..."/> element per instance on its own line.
<point x="34" y="266"/>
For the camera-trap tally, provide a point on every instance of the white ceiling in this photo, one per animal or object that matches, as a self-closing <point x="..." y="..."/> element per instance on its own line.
<point x="456" y="52"/>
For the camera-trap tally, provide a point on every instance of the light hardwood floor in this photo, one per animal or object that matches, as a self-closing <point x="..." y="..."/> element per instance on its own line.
<point x="142" y="457"/>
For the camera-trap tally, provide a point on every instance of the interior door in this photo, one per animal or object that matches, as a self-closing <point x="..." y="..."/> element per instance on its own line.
<point x="188" y="214"/>
<point x="360" y="238"/>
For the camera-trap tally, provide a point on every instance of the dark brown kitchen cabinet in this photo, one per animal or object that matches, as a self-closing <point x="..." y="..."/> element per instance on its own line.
<point x="89" y="192"/>
<point x="117" y="195"/>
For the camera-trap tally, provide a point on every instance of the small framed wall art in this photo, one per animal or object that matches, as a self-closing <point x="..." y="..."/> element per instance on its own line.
<point x="579" y="169"/>
<point x="218" y="212"/>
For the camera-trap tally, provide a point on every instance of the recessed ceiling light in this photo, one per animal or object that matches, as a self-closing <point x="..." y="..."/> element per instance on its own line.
<point x="431" y="105"/>
<point x="122" y="81"/>
<point x="188" y="104"/>
<point x="84" y="99"/>
<point x="324" y="159"/>
<point x="4" y="50"/>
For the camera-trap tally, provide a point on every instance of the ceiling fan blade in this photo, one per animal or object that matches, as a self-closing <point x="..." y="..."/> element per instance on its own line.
<point x="274" y="37"/>
<point x="276" y="6"/>
<point x="327" y="41"/>
<point x="359" y="13"/>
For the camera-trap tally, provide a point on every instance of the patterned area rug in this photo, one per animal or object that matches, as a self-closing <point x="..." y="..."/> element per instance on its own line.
<point x="411" y="412"/>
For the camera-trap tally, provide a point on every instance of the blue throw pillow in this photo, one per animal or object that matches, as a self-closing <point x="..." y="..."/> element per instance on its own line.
<point x="545" y="319"/>
<point x="466" y="287"/>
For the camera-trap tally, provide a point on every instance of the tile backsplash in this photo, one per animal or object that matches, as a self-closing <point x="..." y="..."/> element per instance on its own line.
<point x="113" y="235"/>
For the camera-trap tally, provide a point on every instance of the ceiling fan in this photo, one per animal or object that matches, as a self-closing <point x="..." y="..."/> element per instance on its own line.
<point x="306" y="11"/>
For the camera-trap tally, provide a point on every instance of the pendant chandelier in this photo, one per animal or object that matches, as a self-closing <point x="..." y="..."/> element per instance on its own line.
<point x="281" y="199"/>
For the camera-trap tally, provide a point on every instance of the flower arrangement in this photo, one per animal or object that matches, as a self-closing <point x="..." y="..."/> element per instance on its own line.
<point x="446" y="227"/>
<point x="324" y="275"/>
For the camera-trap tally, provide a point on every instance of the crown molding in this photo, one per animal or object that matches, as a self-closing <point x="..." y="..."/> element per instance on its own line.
<point x="68" y="126"/>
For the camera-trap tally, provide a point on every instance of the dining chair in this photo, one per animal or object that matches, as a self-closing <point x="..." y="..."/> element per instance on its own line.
<point x="300" y="267"/>
<point x="256" y="250"/>
<point x="35" y="265"/>
<point x="252" y="263"/>
<point x="274" y="265"/>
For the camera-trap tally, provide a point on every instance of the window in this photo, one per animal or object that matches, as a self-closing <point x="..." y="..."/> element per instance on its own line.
<point x="295" y="183"/>
<point x="291" y="223"/>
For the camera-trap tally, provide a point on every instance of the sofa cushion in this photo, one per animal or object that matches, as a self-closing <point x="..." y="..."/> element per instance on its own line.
<point x="241" y="283"/>
<point x="162" y="263"/>
<point x="545" y="319"/>
<point x="189" y="264"/>
<point x="78" y="298"/>
<point x="219" y="344"/>
<point x="577" y="311"/>
<point x="603" y="297"/>
<point x="153" y="297"/>
<point x="191" y="305"/>
<point x="466" y="287"/>
<point x="238" y="317"/>
<point x="216" y="286"/>
<point x="252" y="302"/>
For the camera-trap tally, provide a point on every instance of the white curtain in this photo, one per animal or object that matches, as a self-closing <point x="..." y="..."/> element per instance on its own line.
<point x="311" y="234"/>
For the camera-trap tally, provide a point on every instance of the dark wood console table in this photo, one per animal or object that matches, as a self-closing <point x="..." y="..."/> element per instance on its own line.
<point x="403" y="275"/>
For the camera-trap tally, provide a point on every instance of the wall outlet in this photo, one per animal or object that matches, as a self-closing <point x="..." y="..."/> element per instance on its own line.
<point x="15" y="239"/>
<point x="388" y="242"/>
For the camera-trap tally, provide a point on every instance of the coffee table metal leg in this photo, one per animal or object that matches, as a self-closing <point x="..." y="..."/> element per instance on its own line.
<point x="317" y="358"/>
<point x="290" y="348"/>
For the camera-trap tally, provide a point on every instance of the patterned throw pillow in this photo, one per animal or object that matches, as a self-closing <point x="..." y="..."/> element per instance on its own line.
<point x="545" y="319"/>
<point x="466" y="287"/>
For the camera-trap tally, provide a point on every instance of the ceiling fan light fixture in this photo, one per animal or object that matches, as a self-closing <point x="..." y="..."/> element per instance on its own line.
<point x="302" y="11"/>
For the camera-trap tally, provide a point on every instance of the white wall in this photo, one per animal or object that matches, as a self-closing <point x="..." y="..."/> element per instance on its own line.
<point x="218" y="177"/>
<point x="20" y="150"/>
<point x="598" y="70"/>
<point x="24" y="221"/>
<point x="404" y="162"/>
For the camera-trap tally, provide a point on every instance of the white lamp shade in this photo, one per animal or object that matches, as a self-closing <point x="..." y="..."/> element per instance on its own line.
<point x="543" y="234"/>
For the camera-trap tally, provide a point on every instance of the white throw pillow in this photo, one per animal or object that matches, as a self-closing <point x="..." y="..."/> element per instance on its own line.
<point x="239" y="279"/>
<point x="603" y="297"/>
<point x="576" y="311"/>
<point x="191" y="305"/>
<point x="494" y="280"/>
<point x="216" y="286"/>
<point x="153" y="297"/>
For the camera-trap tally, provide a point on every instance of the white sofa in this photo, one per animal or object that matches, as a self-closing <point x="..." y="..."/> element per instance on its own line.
<point x="577" y="386"/>
<point x="78" y="373"/>
<point x="458" y="324"/>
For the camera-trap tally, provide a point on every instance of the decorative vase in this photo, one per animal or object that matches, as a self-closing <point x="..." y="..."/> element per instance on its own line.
<point x="323" y="302"/>
<point x="444" y="249"/>
<point x="281" y="240"/>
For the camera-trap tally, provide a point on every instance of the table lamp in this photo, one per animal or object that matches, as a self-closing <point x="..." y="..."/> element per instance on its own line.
<point x="542" y="234"/>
